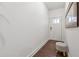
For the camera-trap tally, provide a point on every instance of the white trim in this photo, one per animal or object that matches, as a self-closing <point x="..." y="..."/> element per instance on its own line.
<point x="55" y="40"/>
<point x="37" y="49"/>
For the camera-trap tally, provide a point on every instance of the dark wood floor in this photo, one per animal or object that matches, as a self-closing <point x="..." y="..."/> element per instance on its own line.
<point x="48" y="50"/>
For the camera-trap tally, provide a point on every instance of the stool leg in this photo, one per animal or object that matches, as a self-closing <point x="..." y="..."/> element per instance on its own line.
<point x="64" y="54"/>
<point x="56" y="53"/>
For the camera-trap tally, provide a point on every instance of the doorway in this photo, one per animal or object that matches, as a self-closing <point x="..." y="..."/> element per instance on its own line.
<point x="56" y="28"/>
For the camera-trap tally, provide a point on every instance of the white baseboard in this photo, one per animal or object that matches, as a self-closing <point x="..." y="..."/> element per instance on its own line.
<point x="55" y="40"/>
<point x="37" y="49"/>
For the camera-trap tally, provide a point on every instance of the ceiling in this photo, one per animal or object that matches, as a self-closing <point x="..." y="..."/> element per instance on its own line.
<point x="54" y="5"/>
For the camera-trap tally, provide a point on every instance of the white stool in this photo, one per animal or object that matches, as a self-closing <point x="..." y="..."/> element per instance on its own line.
<point x="62" y="47"/>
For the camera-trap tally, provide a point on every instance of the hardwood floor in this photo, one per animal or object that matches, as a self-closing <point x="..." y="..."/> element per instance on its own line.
<point x="48" y="50"/>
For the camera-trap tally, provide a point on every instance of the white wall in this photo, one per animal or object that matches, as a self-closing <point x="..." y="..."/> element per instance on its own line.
<point x="72" y="37"/>
<point x="26" y="30"/>
<point x="59" y="13"/>
<point x="56" y="12"/>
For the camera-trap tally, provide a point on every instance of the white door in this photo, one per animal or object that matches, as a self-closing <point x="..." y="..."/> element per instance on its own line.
<point x="56" y="28"/>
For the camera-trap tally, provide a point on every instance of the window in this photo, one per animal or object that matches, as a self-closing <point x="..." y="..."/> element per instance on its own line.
<point x="72" y="19"/>
<point x="56" y="20"/>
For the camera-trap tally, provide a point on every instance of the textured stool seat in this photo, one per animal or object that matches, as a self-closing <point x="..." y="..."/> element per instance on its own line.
<point x="60" y="46"/>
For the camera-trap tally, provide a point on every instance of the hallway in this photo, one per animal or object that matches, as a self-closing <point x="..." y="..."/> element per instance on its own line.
<point x="35" y="29"/>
